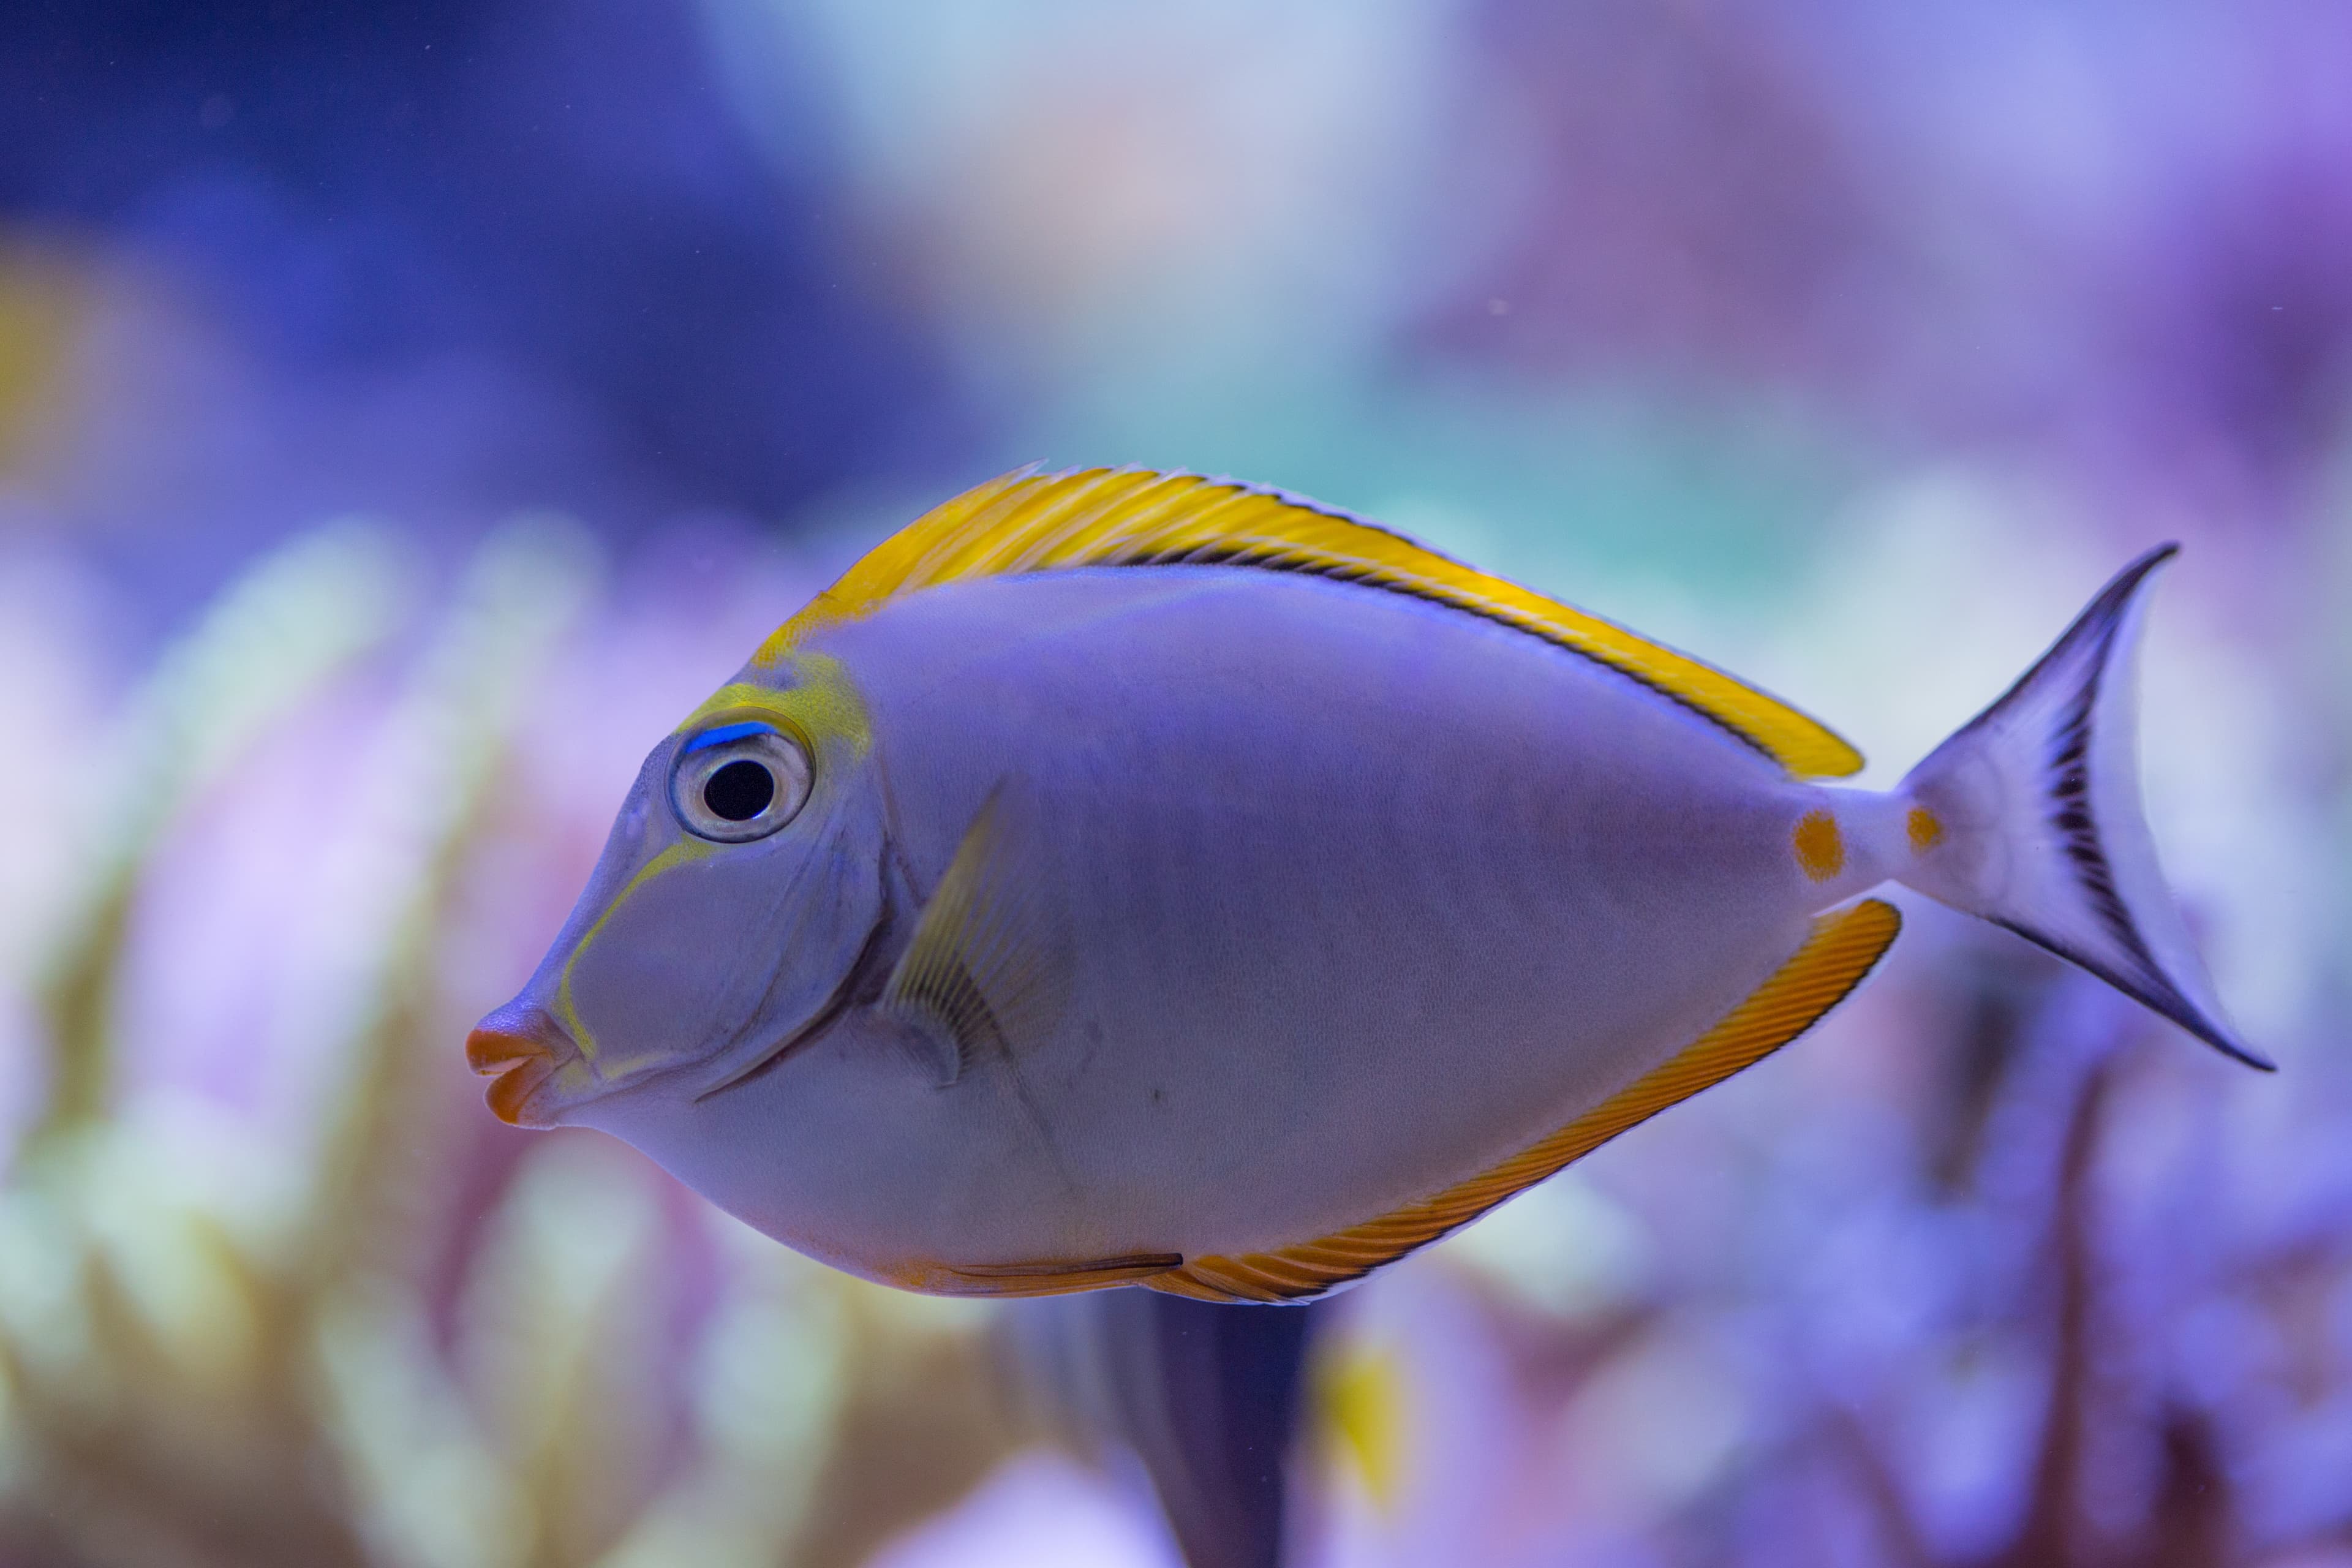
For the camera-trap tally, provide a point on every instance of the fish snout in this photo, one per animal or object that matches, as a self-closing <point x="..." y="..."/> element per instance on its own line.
<point x="521" y="1049"/>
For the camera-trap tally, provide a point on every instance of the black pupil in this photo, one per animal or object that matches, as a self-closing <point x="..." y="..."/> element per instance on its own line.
<point x="740" y="791"/>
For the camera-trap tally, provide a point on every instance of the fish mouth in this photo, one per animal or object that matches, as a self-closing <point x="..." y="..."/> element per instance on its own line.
<point x="520" y="1049"/>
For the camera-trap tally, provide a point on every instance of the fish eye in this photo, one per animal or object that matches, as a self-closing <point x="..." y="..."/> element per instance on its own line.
<point x="739" y="782"/>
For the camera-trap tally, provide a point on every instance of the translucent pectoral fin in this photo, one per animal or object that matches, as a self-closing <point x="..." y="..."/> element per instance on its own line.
<point x="1843" y="947"/>
<point x="988" y="972"/>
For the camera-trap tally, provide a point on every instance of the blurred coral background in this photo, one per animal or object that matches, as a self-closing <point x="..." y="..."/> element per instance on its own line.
<point x="408" y="412"/>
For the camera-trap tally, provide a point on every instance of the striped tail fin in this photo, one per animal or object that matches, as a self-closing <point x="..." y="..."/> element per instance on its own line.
<point x="2029" y="816"/>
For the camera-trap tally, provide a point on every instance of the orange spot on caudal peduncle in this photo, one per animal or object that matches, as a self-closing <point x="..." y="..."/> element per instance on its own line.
<point x="1820" y="850"/>
<point x="1926" y="832"/>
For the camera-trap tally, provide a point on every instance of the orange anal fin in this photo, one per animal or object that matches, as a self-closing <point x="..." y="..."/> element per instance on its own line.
<point x="1046" y="1278"/>
<point x="1843" y="947"/>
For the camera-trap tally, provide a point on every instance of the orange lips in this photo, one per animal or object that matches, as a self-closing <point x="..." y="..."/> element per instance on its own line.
<point x="517" y="1048"/>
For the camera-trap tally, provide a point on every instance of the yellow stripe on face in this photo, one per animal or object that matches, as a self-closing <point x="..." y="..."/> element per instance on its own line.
<point x="686" y="851"/>
<point x="1821" y="848"/>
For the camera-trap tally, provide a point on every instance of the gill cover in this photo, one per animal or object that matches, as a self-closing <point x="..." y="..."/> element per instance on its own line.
<point x="700" y="952"/>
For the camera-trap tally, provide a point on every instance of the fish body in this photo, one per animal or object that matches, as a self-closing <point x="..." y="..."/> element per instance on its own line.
<point x="1228" y="929"/>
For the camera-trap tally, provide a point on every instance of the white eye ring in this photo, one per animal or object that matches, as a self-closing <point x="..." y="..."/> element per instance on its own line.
<point x="739" y="782"/>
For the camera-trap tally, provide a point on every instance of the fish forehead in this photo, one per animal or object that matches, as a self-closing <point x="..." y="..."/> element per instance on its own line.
<point x="808" y="693"/>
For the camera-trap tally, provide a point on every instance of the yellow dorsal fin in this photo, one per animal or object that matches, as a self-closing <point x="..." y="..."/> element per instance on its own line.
<point x="1029" y="522"/>
<point x="1842" y="948"/>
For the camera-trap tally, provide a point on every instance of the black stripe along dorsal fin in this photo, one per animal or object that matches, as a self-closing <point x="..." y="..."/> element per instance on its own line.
<point x="1031" y="521"/>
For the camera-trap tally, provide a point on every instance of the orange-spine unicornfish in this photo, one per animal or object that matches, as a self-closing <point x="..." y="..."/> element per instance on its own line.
<point x="1121" y="877"/>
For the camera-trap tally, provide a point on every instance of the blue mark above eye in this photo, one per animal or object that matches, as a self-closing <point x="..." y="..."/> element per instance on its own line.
<point x="724" y="735"/>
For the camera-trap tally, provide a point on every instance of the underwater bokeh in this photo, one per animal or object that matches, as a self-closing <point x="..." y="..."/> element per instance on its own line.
<point x="408" y="413"/>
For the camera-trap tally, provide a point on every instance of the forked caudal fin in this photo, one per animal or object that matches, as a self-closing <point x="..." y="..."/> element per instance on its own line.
<point x="2029" y="816"/>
